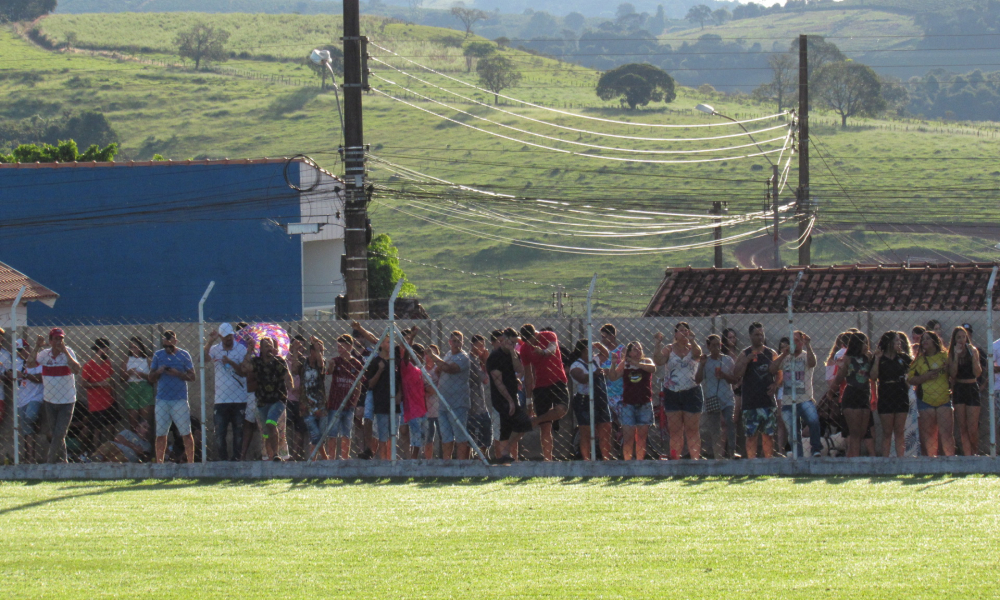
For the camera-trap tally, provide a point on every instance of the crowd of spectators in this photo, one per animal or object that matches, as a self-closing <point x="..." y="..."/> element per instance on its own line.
<point x="484" y="393"/>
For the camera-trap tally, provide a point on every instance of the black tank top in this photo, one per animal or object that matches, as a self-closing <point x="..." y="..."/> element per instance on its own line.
<point x="757" y="379"/>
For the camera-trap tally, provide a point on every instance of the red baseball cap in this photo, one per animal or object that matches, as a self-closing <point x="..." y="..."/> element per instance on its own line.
<point x="55" y="331"/>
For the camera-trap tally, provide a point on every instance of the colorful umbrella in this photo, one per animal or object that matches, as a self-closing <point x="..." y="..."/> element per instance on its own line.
<point x="259" y="331"/>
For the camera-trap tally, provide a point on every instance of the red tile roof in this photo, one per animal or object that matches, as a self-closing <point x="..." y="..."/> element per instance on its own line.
<point x="11" y="281"/>
<point x="706" y="292"/>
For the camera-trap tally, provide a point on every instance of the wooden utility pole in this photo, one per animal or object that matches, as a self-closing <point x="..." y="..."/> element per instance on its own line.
<point x="803" y="206"/>
<point x="356" y="209"/>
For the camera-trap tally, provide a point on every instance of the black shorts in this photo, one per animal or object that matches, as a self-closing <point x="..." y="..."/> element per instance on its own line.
<point x="689" y="401"/>
<point x="895" y="403"/>
<point x="857" y="398"/>
<point x="546" y="398"/>
<point x="966" y="394"/>
<point x="294" y="419"/>
<point x="519" y="422"/>
<point x="103" y="418"/>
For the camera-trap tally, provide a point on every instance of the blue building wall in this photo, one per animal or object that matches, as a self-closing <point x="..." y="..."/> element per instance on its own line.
<point x="141" y="243"/>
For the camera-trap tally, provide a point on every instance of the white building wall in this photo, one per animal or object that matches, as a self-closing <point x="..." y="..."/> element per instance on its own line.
<point x="22" y="315"/>
<point x="323" y="203"/>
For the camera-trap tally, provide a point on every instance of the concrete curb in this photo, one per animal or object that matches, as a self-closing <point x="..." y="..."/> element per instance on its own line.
<point x="357" y="469"/>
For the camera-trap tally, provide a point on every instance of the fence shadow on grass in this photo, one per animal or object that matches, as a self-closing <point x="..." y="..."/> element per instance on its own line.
<point x="134" y="485"/>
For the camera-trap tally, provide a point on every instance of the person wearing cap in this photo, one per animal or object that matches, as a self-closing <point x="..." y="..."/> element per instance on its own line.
<point x="171" y="370"/>
<point x="29" y="396"/>
<point x="230" y="390"/>
<point x="97" y="377"/>
<point x="59" y="370"/>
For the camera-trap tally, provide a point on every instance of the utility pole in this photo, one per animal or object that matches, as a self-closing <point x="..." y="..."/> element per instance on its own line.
<point x="804" y="204"/>
<point x="356" y="208"/>
<point x="557" y="298"/>
<point x="717" y="209"/>
<point x="775" y="182"/>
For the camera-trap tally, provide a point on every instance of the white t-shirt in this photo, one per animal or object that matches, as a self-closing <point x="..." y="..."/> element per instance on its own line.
<point x="230" y="388"/>
<point x="58" y="379"/>
<point x="5" y="365"/>
<point x="28" y="391"/>
<point x="139" y="365"/>
<point x="803" y="379"/>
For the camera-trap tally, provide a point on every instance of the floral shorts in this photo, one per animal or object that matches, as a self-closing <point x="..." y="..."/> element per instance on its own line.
<point x="760" y="420"/>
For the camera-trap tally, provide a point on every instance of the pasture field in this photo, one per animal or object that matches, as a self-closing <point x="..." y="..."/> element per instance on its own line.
<point x="909" y="537"/>
<point x="895" y="171"/>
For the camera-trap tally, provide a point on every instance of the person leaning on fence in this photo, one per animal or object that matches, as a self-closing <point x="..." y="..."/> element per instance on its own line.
<point x="98" y="380"/>
<point x="137" y="398"/>
<point x="453" y="382"/>
<point x="636" y="372"/>
<point x="378" y="375"/>
<point x="682" y="396"/>
<point x="504" y="366"/>
<point x="270" y="380"/>
<point x="343" y="369"/>
<point x="890" y="364"/>
<point x="230" y="390"/>
<point x="480" y="420"/>
<point x="964" y="370"/>
<point x="413" y="394"/>
<point x="171" y="370"/>
<point x="309" y="378"/>
<point x="616" y="350"/>
<point x="854" y="371"/>
<point x="760" y="383"/>
<point x="59" y="368"/>
<point x="797" y="368"/>
<point x="545" y="382"/>
<point x="580" y="369"/>
<point x="929" y="372"/>
<point x="432" y="420"/>
<point x="30" y="396"/>
<point x="715" y="373"/>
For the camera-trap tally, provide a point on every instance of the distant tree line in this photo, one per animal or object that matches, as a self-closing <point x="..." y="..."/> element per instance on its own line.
<point x="89" y="127"/>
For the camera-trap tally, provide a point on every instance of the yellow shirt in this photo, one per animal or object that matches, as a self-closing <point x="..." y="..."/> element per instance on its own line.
<point x="935" y="392"/>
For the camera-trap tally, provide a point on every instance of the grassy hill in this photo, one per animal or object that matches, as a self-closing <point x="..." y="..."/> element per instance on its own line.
<point x="895" y="172"/>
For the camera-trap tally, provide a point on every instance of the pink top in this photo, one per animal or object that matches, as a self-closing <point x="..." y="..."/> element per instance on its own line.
<point x="414" y="405"/>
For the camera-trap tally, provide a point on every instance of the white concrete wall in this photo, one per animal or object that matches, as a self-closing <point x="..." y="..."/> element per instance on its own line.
<point x="22" y="315"/>
<point x="321" y="278"/>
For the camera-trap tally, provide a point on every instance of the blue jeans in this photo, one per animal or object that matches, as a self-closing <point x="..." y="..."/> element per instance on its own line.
<point x="807" y="412"/>
<point x="229" y="414"/>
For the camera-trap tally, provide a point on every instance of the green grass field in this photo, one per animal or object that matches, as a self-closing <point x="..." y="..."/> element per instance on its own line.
<point x="895" y="171"/>
<point x="910" y="537"/>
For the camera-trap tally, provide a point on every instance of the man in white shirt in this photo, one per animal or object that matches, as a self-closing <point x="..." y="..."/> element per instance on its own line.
<point x="28" y="377"/>
<point x="59" y="370"/>
<point x="230" y="389"/>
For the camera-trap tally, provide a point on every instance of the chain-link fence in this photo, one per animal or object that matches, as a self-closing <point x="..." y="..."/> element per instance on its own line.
<point x="502" y="389"/>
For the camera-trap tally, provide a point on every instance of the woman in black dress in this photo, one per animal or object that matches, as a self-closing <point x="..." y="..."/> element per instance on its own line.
<point x="890" y="364"/>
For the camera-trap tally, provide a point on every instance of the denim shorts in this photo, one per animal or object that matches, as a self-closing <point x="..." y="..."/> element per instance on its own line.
<point x="581" y="410"/>
<point x="449" y="431"/>
<point x="382" y="430"/>
<point x="28" y="417"/>
<point x="760" y="420"/>
<point x="431" y="425"/>
<point x="633" y="415"/>
<point x="342" y="426"/>
<point x="689" y="400"/>
<point x="175" y="412"/>
<point x="314" y="427"/>
<point x="921" y="405"/>
<point x="417" y="431"/>
<point x="369" y="406"/>
<point x="269" y="414"/>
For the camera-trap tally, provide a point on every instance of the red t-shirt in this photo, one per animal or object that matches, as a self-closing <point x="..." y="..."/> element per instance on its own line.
<point x="344" y="373"/>
<point x="414" y="401"/>
<point x="548" y="369"/>
<point x="97" y="372"/>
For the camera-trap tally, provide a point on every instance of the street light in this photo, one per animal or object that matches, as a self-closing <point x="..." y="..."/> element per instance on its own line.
<point x="322" y="57"/>
<point x="705" y="108"/>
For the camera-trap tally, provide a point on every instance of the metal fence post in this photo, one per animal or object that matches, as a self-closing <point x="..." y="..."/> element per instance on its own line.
<point x="13" y="390"/>
<point x="393" y="433"/>
<point x="991" y="363"/>
<point x="792" y="349"/>
<point x="201" y="363"/>
<point x="590" y="367"/>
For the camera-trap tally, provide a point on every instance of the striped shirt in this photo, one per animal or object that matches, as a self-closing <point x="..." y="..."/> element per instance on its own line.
<point x="57" y="377"/>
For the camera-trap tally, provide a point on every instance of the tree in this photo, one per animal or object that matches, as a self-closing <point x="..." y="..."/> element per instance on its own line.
<point x="384" y="270"/>
<point x="65" y="151"/>
<point x="699" y="14"/>
<point x="202" y="43"/>
<point x="574" y="21"/>
<point x="25" y="10"/>
<point x="784" y="82"/>
<point x="502" y="42"/>
<point x="336" y="63"/>
<point x="721" y="16"/>
<point x="850" y="89"/>
<point x="821" y="52"/>
<point x="469" y="17"/>
<point x="474" y="50"/>
<point x="896" y="97"/>
<point x="497" y="73"/>
<point x="625" y="9"/>
<point x="636" y="84"/>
